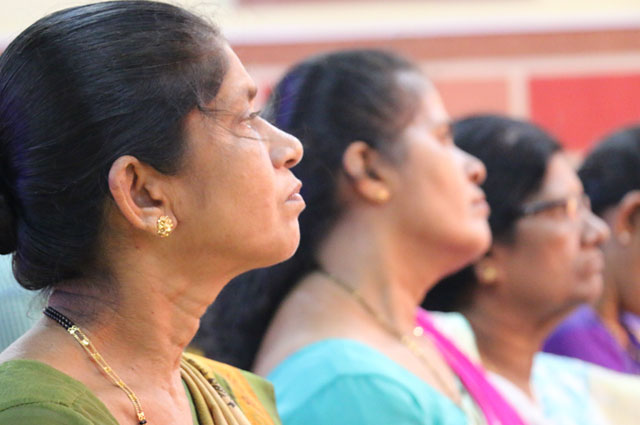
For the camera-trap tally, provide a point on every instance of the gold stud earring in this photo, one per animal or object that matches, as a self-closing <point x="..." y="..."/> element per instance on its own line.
<point x="164" y="226"/>
<point x="382" y="195"/>
<point x="489" y="274"/>
<point x="624" y="238"/>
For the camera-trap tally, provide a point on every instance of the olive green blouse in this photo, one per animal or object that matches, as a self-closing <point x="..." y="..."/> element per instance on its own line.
<point x="33" y="393"/>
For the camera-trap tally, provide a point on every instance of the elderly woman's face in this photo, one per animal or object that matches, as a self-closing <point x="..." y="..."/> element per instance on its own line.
<point x="555" y="262"/>
<point x="237" y="197"/>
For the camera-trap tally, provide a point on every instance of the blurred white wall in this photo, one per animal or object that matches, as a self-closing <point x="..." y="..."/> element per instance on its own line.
<point x="572" y="66"/>
<point x="288" y="21"/>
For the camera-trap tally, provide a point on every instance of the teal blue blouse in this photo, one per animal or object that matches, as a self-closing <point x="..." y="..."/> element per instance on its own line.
<point x="345" y="382"/>
<point x="18" y="308"/>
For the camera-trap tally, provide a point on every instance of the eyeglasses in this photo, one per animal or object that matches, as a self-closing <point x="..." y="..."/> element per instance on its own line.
<point x="573" y="206"/>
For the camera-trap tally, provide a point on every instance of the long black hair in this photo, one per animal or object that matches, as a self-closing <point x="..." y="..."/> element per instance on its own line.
<point x="328" y="102"/>
<point x="78" y="89"/>
<point x="516" y="155"/>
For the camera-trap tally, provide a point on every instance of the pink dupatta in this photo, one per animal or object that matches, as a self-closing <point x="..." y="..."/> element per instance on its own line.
<point x="494" y="407"/>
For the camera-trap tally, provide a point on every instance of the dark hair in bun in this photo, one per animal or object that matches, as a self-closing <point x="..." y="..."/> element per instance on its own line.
<point x="7" y="226"/>
<point x="78" y="89"/>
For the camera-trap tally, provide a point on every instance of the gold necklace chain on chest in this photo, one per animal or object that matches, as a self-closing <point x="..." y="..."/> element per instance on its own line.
<point x="86" y="344"/>
<point x="404" y="339"/>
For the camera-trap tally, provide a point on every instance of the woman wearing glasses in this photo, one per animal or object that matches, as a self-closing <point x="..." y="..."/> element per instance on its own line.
<point x="544" y="262"/>
<point x="609" y="334"/>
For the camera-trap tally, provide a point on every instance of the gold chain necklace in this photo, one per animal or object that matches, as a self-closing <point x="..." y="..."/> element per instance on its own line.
<point x="85" y="343"/>
<point x="404" y="339"/>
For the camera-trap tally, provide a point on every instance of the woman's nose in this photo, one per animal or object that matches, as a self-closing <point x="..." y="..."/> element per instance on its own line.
<point x="594" y="231"/>
<point x="475" y="169"/>
<point x="285" y="149"/>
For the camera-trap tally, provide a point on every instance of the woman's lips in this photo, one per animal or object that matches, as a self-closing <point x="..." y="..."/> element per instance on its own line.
<point x="295" y="194"/>
<point x="481" y="205"/>
<point x="295" y="197"/>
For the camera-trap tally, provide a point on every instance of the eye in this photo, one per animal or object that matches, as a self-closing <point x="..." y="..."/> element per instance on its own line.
<point x="443" y="134"/>
<point x="567" y="208"/>
<point x="250" y="119"/>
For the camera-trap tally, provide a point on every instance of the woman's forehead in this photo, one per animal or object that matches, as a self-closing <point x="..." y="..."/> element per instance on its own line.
<point x="237" y="87"/>
<point x="560" y="179"/>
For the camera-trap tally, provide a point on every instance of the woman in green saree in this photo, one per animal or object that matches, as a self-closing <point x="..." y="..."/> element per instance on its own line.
<point x="136" y="180"/>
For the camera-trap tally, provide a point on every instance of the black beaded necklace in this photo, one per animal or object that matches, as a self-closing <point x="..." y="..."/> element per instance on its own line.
<point x="86" y="344"/>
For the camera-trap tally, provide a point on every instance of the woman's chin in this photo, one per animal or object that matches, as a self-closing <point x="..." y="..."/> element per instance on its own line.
<point x="290" y="251"/>
<point x="279" y="250"/>
<point x="291" y="241"/>
<point x="591" y="289"/>
<point x="470" y="249"/>
<point x="479" y="241"/>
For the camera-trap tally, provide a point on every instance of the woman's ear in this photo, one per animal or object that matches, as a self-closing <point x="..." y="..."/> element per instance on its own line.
<point x="138" y="192"/>
<point x="626" y="220"/>
<point x="367" y="171"/>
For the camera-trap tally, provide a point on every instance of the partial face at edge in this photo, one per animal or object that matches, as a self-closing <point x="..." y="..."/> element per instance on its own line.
<point x="622" y="254"/>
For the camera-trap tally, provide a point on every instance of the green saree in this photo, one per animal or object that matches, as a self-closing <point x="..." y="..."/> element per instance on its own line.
<point x="33" y="393"/>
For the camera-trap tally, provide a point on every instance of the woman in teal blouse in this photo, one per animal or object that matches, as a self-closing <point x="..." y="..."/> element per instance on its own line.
<point x="392" y="206"/>
<point x="17" y="305"/>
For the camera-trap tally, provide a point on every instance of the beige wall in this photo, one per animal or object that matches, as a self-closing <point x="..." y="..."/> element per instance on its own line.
<point x="293" y="21"/>
<point x="16" y="15"/>
<point x="508" y="56"/>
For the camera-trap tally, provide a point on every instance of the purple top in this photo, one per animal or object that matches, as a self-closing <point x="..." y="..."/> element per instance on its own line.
<point x="583" y="336"/>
